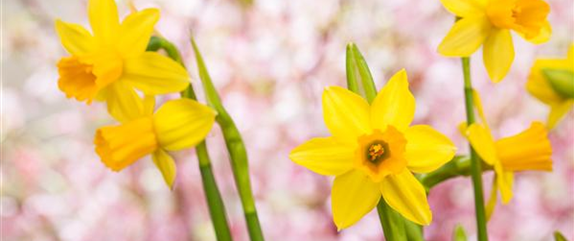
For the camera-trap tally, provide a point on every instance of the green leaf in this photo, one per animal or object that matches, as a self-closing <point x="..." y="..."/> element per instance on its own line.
<point x="358" y="74"/>
<point x="561" y="80"/>
<point x="459" y="234"/>
<point x="559" y="237"/>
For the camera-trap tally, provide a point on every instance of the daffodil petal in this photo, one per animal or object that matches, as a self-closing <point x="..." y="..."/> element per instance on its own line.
<point x="498" y="54"/>
<point x="136" y="30"/>
<point x="124" y="104"/>
<point x="166" y="165"/>
<point x="491" y="203"/>
<point x="464" y="8"/>
<point x="558" y="111"/>
<point x="543" y="36"/>
<point x="353" y="196"/>
<point x="427" y="149"/>
<point x="478" y="105"/>
<point x="394" y="104"/>
<point x="346" y="114"/>
<point x="325" y="156"/>
<point x="155" y="74"/>
<point x="483" y="143"/>
<point x="103" y="15"/>
<point x="75" y="38"/>
<point x="465" y="37"/>
<point x="406" y="195"/>
<point x="504" y="181"/>
<point x="182" y="123"/>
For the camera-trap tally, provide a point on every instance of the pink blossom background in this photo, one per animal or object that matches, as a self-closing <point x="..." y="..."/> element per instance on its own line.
<point x="270" y="61"/>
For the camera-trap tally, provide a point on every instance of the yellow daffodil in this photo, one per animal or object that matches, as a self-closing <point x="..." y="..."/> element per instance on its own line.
<point x="528" y="150"/>
<point x="110" y="62"/>
<point x="372" y="152"/>
<point x="544" y="89"/>
<point x="488" y="23"/>
<point x="176" y="125"/>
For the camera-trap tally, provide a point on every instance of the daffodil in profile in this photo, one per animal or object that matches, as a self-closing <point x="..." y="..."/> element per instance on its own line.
<point x="108" y="63"/>
<point x="373" y="152"/>
<point x="552" y="82"/>
<point x="488" y="23"/>
<point x="529" y="150"/>
<point x="176" y="125"/>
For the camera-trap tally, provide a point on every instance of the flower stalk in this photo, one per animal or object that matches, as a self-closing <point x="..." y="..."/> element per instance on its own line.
<point x="212" y="193"/>
<point x="475" y="165"/>
<point x="235" y="147"/>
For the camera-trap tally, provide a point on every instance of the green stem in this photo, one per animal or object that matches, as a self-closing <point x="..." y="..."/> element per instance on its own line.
<point x="475" y="165"/>
<point x="212" y="194"/>
<point x="235" y="147"/>
<point x="391" y="221"/>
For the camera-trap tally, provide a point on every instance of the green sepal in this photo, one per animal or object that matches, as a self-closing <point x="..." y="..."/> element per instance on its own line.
<point x="561" y="80"/>
<point x="459" y="234"/>
<point x="559" y="237"/>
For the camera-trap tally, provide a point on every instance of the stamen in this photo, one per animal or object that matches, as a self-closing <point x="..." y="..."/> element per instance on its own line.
<point x="376" y="151"/>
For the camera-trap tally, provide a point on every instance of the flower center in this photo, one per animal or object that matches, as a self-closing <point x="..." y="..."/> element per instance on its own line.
<point x="378" y="151"/>
<point x="524" y="16"/>
<point x="381" y="153"/>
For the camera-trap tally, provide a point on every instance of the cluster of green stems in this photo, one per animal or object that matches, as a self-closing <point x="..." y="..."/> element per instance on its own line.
<point x="360" y="81"/>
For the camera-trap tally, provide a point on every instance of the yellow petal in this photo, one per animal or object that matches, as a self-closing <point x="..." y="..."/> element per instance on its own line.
<point x="527" y="150"/>
<point x="427" y="149"/>
<point x="464" y="8"/>
<point x="465" y="37"/>
<point x="543" y="36"/>
<point x="537" y="84"/>
<point x="166" y="165"/>
<point x="504" y="181"/>
<point x="478" y="105"/>
<point x="491" y="203"/>
<point x="558" y="111"/>
<point x="182" y="123"/>
<point x="325" y="156"/>
<point x="394" y="104"/>
<point x="120" y="146"/>
<point x="124" y="104"/>
<point x="346" y="114"/>
<point x="482" y="142"/>
<point x="498" y="54"/>
<point x="103" y="15"/>
<point x="406" y="195"/>
<point x="135" y="32"/>
<point x="155" y="74"/>
<point x="352" y="197"/>
<point x="75" y="38"/>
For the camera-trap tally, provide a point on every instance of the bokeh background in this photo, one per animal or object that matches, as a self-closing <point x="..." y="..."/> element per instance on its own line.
<point x="270" y="59"/>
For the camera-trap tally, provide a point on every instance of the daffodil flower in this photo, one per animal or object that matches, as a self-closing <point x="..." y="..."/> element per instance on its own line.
<point x="488" y="23"/>
<point x="540" y="86"/>
<point x="373" y="152"/>
<point x="110" y="62"/>
<point x="176" y="125"/>
<point x="529" y="150"/>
